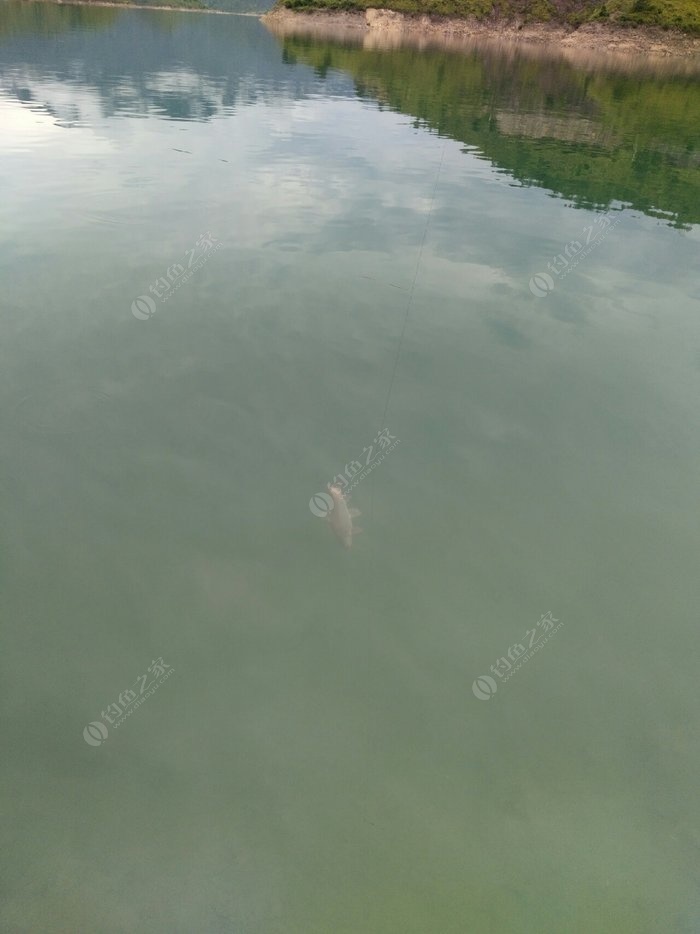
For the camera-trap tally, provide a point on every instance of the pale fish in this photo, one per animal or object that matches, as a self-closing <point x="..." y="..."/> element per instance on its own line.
<point x="341" y="516"/>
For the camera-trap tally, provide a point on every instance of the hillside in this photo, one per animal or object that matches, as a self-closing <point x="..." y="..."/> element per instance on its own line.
<point x="683" y="15"/>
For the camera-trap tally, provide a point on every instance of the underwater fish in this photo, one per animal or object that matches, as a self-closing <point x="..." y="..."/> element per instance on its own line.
<point x="341" y="516"/>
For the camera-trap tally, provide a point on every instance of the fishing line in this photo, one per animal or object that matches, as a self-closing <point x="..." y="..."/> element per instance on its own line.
<point x="409" y="303"/>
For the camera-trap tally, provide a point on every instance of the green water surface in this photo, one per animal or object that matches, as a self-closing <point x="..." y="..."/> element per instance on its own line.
<point x="352" y="241"/>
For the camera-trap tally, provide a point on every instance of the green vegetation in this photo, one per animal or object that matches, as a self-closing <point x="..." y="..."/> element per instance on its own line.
<point x="591" y="137"/>
<point x="669" y="14"/>
<point x="674" y="14"/>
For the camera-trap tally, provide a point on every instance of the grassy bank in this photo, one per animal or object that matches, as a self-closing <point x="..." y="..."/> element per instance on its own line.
<point x="683" y="15"/>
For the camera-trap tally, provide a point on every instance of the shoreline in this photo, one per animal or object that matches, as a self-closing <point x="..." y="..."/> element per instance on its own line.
<point x="382" y="28"/>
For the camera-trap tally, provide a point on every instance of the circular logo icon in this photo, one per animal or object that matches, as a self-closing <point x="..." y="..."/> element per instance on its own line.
<point x="321" y="504"/>
<point x="541" y="284"/>
<point x="484" y="687"/>
<point x="95" y="733"/>
<point x="143" y="307"/>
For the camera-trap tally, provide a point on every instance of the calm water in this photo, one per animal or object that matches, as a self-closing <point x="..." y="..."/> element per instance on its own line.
<point x="318" y="761"/>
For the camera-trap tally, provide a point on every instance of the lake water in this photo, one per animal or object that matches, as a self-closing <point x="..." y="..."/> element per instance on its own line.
<point x="229" y="262"/>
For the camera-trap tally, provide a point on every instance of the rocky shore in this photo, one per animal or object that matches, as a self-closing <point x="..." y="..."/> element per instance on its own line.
<point x="377" y="28"/>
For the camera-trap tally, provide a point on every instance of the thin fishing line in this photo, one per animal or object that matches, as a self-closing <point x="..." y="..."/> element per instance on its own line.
<point x="409" y="303"/>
